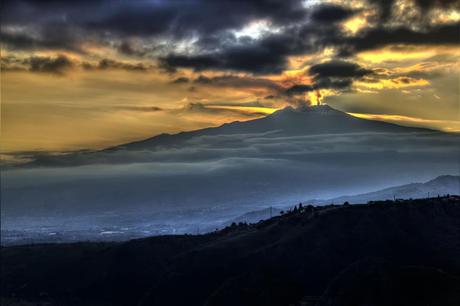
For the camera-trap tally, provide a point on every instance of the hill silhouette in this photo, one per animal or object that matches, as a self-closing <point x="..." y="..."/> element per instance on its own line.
<point x="387" y="253"/>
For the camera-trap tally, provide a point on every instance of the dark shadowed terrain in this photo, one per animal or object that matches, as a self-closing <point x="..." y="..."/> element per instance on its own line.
<point x="386" y="253"/>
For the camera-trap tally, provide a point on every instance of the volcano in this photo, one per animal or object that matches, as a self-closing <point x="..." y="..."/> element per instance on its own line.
<point x="289" y="121"/>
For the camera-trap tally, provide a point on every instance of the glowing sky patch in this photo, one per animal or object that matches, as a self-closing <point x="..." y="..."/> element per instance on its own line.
<point x="256" y="29"/>
<point x="355" y="24"/>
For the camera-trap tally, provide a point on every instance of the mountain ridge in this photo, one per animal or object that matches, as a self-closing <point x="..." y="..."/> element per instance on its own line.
<point x="443" y="185"/>
<point x="439" y="186"/>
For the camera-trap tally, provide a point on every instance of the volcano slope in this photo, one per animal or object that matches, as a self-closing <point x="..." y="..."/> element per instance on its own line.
<point x="384" y="253"/>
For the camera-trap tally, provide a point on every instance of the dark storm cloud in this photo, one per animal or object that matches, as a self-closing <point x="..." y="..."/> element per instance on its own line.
<point x="335" y="74"/>
<point x="342" y="84"/>
<point x="381" y="37"/>
<point x="51" y="65"/>
<point x="175" y="19"/>
<point x="202" y="80"/>
<point x="66" y="25"/>
<point x="269" y="54"/>
<point x="113" y="64"/>
<point x="61" y="64"/>
<point x="182" y="19"/>
<point x="238" y="82"/>
<point x="206" y="16"/>
<point x="128" y="48"/>
<point x="256" y="59"/>
<point x="198" y="63"/>
<point x="427" y="4"/>
<point x="37" y="12"/>
<point x="259" y="56"/>
<point x="299" y="89"/>
<point x="109" y="64"/>
<point x="107" y="20"/>
<point x="55" y="39"/>
<point x="181" y="80"/>
<point x="154" y="17"/>
<point x="386" y="6"/>
<point x="331" y="13"/>
<point x="340" y="69"/>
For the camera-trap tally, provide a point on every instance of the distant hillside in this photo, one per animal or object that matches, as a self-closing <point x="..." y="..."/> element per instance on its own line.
<point x="404" y="253"/>
<point x="442" y="185"/>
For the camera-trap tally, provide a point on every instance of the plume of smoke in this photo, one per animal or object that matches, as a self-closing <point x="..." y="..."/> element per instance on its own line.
<point x="301" y="104"/>
<point x="319" y="97"/>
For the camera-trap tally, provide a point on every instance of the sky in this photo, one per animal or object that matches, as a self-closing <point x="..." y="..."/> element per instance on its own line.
<point x="90" y="74"/>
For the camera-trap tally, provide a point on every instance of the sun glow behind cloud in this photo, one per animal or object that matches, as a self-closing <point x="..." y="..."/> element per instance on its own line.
<point x="358" y="22"/>
<point x="256" y="29"/>
<point x="393" y="55"/>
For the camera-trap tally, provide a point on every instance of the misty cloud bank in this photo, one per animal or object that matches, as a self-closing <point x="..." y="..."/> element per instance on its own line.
<point x="255" y="169"/>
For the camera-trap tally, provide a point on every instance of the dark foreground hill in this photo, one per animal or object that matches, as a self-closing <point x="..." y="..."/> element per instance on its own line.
<point x="404" y="253"/>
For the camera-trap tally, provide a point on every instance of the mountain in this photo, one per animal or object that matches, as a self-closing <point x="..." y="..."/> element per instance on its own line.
<point x="313" y="120"/>
<point x="390" y="253"/>
<point x="185" y="182"/>
<point x="288" y="122"/>
<point x="442" y="185"/>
